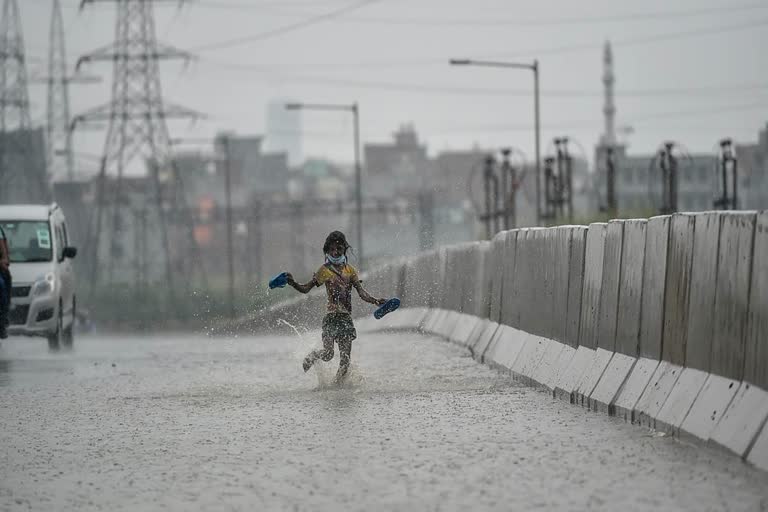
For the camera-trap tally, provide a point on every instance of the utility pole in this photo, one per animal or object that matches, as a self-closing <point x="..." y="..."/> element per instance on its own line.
<point x="426" y="220"/>
<point x="23" y="176"/>
<point x="610" y="168"/>
<point x="137" y="132"/>
<point x="668" y="165"/>
<point x="228" y="214"/>
<point x="729" y="165"/>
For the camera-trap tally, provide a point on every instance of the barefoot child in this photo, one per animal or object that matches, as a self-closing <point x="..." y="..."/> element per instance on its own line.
<point x="338" y="277"/>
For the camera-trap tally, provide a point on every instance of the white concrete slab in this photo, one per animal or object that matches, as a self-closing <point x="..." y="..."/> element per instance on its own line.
<point x="561" y="366"/>
<point x="592" y="376"/>
<point x="546" y="367"/>
<point x="483" y="340"/>
<point x="633" y="388"/>
<point x="570" y="379"/>
<point x="680" y="400"/>
<point x="742" y="420"/>
<point x="532" y="352"/>
<point x="610" y="383"/>
<point x="758" y="455"/>
<point x="505" y="347"/>
<point x="431" y="320"/>
<point x="462" y="332"/>
<point x="709" y="407"/>
<point x="447" y="323"/>
<point x="656" y="393"/>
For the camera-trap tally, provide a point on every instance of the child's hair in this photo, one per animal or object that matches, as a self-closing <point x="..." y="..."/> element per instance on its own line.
<point x="336" y="237"/>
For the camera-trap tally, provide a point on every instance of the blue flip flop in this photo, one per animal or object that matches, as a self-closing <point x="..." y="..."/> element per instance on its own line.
<point x="279" y="281"/>
<point x="387" y="307"/>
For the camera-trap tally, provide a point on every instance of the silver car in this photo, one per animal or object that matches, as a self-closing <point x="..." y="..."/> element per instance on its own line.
<point x="43" y="301"/>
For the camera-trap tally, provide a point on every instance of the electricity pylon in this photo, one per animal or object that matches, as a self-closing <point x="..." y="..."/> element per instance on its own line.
<point x="22" y="168"/>
<point x="137" y="131"/>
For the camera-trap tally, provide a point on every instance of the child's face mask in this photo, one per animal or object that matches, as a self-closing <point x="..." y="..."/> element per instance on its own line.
<point x="338" y="260"/>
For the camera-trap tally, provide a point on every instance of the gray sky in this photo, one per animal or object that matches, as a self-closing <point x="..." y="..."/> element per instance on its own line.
<point x="688" y="70"/>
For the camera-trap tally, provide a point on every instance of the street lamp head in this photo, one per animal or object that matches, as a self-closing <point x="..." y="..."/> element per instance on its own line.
<point x="293" y="106"/>
<point x="460" y="62"/>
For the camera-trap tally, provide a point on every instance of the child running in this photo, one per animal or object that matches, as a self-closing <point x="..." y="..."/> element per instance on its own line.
<point x="339" y="277"/>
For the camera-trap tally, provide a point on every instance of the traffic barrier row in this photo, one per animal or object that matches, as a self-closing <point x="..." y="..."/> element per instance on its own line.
<point x="660" y="321"/>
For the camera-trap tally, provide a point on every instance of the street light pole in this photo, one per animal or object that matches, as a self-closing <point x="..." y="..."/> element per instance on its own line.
<point x="230" y="249"/>
<point x="355" y="110"/>
<point x="358" y="184"/>
<point x="536" y="113"/>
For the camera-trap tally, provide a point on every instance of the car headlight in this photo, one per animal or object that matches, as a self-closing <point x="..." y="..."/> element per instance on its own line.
<point x="45" y="285"/>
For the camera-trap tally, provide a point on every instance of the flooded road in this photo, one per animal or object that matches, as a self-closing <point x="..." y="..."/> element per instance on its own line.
<point x="194" y="423"/>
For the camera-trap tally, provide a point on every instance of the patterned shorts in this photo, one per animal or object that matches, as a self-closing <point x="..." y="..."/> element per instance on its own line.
<point x="338" y="327"/>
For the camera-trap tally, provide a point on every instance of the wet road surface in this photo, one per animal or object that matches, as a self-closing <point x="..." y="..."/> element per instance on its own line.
<point x="194" y="423"/>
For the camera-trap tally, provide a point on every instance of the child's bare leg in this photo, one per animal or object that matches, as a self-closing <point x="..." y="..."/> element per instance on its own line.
<point x="345" y="355"/>
<point x="325" y="353"/>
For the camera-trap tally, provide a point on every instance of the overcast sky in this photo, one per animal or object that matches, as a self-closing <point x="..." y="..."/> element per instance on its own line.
<point x="688" y="70"/>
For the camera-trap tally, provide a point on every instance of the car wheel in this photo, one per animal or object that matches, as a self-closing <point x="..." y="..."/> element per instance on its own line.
<point x="69" y="334"/>
<point x="55" y="338"/>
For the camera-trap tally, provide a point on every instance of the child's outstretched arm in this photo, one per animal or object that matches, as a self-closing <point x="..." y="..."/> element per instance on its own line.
<point x="303" y="288"/>
<point x="367" y="297"/>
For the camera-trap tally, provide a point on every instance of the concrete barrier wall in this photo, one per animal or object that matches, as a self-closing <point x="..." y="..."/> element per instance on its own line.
<point x="593" y="277"/>
<point x="609" y="287"/>
<point x="662" y="321"/>
<point x="677" y="288"/>
<point x="756" y="367"/>
<point x="732" y="295"/>
<point x="631" y="288"/>
<point x="652" y="309"/>
<point x="701" y="314"/>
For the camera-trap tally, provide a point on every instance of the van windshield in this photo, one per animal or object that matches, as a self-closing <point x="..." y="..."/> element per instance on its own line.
<point x="28" y="241"/>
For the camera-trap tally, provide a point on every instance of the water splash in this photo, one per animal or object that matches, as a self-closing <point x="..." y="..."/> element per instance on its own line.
<point x="325" y="371"/>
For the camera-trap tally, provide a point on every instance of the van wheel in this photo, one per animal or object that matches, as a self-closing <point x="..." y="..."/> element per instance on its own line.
<point x="55" y="339"/>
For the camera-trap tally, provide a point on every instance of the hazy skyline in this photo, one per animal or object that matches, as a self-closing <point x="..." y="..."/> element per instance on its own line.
<point x="685" y="71"/>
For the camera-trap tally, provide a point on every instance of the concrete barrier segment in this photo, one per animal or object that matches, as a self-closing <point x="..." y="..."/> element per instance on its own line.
<point x="505" y="347"/>
<point x="560" y="251"/>
<point x="680" y="400"/>
<point x="741" y="423"/>
<point x="737" y="233"/>
<point x="496" y="271"/>
<point x="756" y="355"/>
<point x="758" y="454"/>
<point x="462" y="331"/>
<point x="592" y="376"/>
<point x="543" y="372"/>
<point x="529" y="357"/>
<point x="654" y="280"/>
<point x="483" y="340"/>
<point x="577" y="252"/>
<point x="677" y="292"/>
<point x="708" y="408"/>
<point x="609" y="287"/>
<point x="609" y="385"/>
<point x="569" y="381"/>
<point x="631" y="288"/>
<point x="701" y="314"/>
<point x="656" y="393"/>
<point x="560" y="368"/>
<point x="633" y="388"/>
<point x="593" y="276"/>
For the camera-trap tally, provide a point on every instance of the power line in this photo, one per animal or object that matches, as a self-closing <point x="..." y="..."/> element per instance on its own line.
<point x="516" y="22"/>
<point x="503" y="92"/>
<point x="239" y="41"/>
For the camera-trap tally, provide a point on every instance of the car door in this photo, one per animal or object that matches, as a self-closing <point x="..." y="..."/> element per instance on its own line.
<point x="66" y="275"/>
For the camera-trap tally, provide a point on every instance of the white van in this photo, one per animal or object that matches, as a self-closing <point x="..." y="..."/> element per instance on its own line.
<point x="43" y="294"/>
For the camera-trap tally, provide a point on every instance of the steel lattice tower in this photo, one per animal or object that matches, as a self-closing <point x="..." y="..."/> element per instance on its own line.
<point x="137" y="131"/>
<point x="59" y="137"/>
<point x="17" y="149"/>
